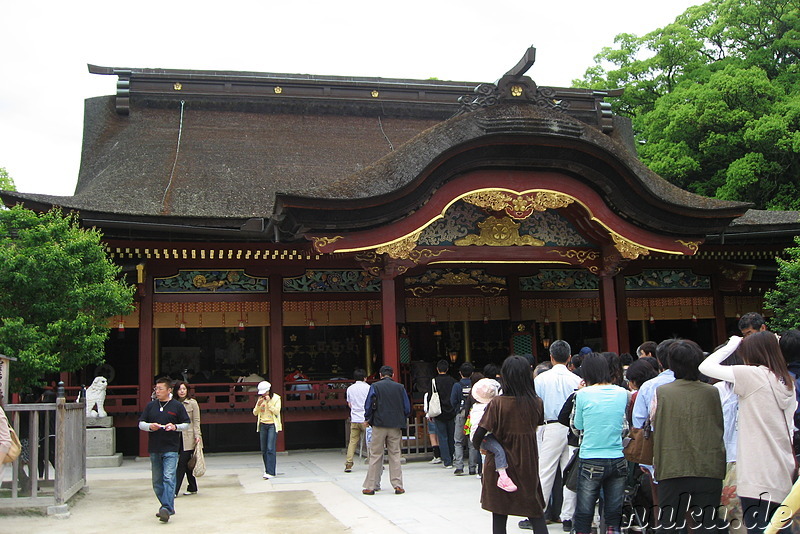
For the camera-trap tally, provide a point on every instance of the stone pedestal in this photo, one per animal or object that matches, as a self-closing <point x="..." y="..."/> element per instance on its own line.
<point x="101" y="443"/>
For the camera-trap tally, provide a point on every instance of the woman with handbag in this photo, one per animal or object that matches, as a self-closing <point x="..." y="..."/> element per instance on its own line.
<point x="765" y="462"/>
<point x="600" y="414"/>
<point x="191" y="438"/>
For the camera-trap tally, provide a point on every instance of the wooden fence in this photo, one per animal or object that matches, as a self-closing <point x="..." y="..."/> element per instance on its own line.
<point x="51" y="434"/>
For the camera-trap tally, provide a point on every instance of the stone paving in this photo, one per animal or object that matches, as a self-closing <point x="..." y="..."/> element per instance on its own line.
<point x="311" y="494"/>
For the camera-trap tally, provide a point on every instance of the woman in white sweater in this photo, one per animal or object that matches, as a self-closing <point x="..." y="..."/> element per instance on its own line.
<point x="765" y="460"/>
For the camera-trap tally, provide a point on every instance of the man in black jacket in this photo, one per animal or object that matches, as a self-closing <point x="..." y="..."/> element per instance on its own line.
<point x="386" y="410"/>
<point x="445" y="422"/>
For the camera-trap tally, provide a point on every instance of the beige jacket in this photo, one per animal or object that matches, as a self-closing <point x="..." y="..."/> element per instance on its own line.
<point x="268" y="412"/>
<point x="191" y="434"/>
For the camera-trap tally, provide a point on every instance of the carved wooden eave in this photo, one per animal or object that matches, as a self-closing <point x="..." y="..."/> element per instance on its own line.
<point x="507" y="197"/>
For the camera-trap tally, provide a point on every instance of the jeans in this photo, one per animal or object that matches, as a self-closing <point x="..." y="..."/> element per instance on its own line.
<point x="594" y="474"/>
<point x="447" y="446"/>
<point x="268" y="438"/>
<point x="491" y="444"/>
<point x="163" y="466"/>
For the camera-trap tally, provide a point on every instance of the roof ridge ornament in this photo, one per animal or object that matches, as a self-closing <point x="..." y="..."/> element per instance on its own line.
<point x="513" y="86"/>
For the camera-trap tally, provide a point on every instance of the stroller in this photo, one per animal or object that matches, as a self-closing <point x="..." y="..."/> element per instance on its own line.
<point x="637" y="506"/>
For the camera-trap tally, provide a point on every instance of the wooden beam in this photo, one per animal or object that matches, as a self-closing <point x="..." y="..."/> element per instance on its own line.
<point x="146" y="371"/>
<point x="276" y="369"/>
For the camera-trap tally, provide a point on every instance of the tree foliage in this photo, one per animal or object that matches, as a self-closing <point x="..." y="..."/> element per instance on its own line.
<point x="6" y="182"/>
<point x="57" y="290"/>
<point x="715" y="100"/>
<point x="784" y="299"/>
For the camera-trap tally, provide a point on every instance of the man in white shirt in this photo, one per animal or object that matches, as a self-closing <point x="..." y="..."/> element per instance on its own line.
<point x="554" y="386"/>
<point x="356" y="397"/>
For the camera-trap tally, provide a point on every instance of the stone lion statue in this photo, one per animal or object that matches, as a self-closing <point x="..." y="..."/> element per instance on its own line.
<point x="96" y="396"/>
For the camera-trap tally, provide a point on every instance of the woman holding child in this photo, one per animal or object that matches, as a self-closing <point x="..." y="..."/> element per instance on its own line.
<point x="512" y="418"/>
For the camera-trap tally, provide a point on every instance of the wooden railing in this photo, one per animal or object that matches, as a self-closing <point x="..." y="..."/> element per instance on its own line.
<point x="54" y="433"/>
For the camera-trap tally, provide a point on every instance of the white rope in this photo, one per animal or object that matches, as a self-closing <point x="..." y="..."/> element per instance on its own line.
<point x="174" y="163"/>
<point x="380" y="123"/>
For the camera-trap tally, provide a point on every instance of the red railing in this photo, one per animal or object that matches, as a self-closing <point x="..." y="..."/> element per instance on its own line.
<point x="119" y="399"/>
<point x="234" y="396"/>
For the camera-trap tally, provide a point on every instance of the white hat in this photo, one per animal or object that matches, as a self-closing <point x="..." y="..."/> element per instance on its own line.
<point x="263" y="387"/>
<point x="485" y="390"/>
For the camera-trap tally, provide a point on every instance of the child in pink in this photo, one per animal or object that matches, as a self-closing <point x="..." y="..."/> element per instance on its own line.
<point x="484" y="391"/>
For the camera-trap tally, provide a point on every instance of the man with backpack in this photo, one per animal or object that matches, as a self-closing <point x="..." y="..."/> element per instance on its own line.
<point x="459" y="398"/>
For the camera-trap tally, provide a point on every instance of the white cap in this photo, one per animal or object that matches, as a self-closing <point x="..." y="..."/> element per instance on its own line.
<point x="263" y="387"/>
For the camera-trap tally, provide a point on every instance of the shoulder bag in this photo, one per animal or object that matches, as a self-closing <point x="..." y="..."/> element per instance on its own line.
<point x="16" y="447"/>
<point x="638" y="446"/>
<point x="199" y="468"/>
<point x="434" y="404"/>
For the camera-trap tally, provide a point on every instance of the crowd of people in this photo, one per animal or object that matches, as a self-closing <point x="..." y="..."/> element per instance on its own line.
<point x="722" y="427"/>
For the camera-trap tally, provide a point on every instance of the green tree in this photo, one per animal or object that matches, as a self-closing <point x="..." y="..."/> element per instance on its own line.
<point x="715" y="100"/>
<point x="6" y="181"/>
<point x="784" y="299"/>
<point x="57" y="290"/>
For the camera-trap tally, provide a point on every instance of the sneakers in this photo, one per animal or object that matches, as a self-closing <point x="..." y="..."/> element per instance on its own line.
<point x="436" y="461"/>
<point x="525" y="525"/>
<point x="448" y="466"/>
<point x="266" y="476"/>
<point x="163" y="514"/>
<point x="399" y="491"/>
<point x="566" y="525"/>
<point x="190" y="492"/>
<point x="506" y="484"/>
<point x="348" y="468"/>
<point x="458" y="472"/>
<point x="473" y="471"/>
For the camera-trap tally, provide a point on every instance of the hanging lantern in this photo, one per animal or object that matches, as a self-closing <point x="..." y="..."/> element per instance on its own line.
<point x="241" y="325"/>
<point x="546" y="320"/>
<point x="694" y="318"/>
<point x="121" y="327"/>
<point x="367" y="323"/>
<point x="652" y="319"/>
<point x="594" y="318"/>
<point x="183" y="327"/>
<point x="485" y="319"/>
<point x="433" y="319"/>
<point x="311" y="324"/>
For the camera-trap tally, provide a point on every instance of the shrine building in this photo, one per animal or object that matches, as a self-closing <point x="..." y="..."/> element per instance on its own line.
<point x="296" y="227"/>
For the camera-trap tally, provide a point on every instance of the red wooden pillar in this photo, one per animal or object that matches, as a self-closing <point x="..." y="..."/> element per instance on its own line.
<point x="622" y="314"/>
<point x="608" y="313"/>
<point x="146" y="371"/>
<point x="276" y="368"/>
<point x="391" y="343"/>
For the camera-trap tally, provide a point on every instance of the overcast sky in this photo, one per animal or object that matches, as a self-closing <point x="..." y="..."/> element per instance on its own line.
<point x="47" y="45"/>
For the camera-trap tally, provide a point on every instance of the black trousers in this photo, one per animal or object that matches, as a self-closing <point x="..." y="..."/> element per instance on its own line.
<point x="183" y="461"/>
<point x="756" y="514"/>
<point x="699" y="496"/>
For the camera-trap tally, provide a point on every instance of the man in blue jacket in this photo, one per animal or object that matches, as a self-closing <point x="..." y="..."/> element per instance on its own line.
<point x="386" y="410"/>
